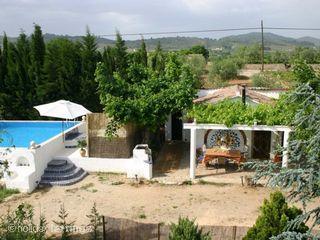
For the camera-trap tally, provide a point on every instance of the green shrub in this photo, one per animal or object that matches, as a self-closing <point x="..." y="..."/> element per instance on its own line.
<point x="20" y="224"/>
<point x="187" y="229"/>
<point x="65" y="226"/>
<point x="4" y="192"/>
<point x="274" y="218"/>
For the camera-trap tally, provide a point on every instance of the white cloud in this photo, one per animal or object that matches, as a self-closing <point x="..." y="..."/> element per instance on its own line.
<point x="104" y="16"/>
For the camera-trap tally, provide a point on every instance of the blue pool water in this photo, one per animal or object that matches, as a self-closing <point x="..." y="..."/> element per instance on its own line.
<point x="21" y="133"/>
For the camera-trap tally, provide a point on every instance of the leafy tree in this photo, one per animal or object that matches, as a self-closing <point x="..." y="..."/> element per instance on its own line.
<point x="89" y="88"/>
<point x="187" y="229"/>
<point x="274" y="218"/>
<point x="197" y="64"/>
<point x="146" y="95"/>
<point x="225" y="69"/>
<point x="199" y="49"/>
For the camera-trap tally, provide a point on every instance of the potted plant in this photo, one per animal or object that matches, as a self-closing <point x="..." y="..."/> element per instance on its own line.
<point x="82" y="144"/>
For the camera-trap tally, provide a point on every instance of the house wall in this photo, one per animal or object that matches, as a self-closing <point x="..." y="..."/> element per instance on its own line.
<point x="26" y="178"/>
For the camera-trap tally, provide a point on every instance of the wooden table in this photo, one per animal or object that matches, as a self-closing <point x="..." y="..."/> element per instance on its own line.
<point x="213" y="153"/>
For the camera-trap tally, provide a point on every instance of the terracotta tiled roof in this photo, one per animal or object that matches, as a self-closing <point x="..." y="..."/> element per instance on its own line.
<point x="232" y="92"/>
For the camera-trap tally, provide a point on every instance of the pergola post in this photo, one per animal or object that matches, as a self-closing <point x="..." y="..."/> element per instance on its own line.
<point x="193" y="146"/>
<point x="285" y="146"/>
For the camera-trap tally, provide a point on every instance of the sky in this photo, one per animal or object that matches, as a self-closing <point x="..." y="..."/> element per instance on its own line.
<point x="140" y="16"/>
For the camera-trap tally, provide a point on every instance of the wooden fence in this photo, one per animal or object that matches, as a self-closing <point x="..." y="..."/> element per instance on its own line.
<point x="125" y="229"/>
<point x="99" y="146"/>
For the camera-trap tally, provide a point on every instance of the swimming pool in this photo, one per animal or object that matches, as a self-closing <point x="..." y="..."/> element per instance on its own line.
<point x="21" y="133"/>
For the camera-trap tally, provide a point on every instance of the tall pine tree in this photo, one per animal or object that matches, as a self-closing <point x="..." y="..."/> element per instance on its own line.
<point x="38" y="52"/>
<point x="121" y="56"/>
<point x="89" y="87"/>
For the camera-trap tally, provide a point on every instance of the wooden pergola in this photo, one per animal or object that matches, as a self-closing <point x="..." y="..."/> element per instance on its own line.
<point x="205" y="126"/>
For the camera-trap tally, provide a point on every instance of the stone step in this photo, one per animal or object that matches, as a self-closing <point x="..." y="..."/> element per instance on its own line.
<point x="62" y="176"/>
<point x="69" y="167"/>
<point x="57" y="163"/>
<point x="61" y="172"/>
<point x="65" y="182"/>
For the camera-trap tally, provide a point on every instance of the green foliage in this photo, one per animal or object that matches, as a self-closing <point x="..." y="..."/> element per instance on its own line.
<point x="197" y="64"/>
<point x="274" y="79"/>
<point x="226" y="69"/>
<point x="230" y="112"/>
<point x="187" y="229"/>
<point x="304" y="73"/>
<point x="32" y="72"/>
<point x="4" y="192"/>
<point x="82" y="144"/>
<point x="144" y="95"/>
<point x="89" y="87"/>
<point x="65" y="227"/>
<point x="95" y="221"/>
<point x="302" y="177"/>
<point x="274" y="218"/>
<point x="20" y="224"/>
<point x="197" y="49"/>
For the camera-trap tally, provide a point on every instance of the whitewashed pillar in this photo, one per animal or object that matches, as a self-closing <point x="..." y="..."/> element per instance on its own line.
<point x="285" y="145"/>
<point x="193" y="144"/>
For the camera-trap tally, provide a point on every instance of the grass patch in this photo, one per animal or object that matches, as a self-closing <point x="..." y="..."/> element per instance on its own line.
<point x="4" y="193"/>
<point x="203" y="182"/>
<point x="142" y="216"/>
<point x="105" y="176"/>
<point x="117" y="183"/>
<point x="87" y="186"/>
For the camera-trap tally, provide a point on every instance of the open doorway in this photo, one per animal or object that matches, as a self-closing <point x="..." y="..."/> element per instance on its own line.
<point x="177" y="126"/>
<point x="261" y="144"/>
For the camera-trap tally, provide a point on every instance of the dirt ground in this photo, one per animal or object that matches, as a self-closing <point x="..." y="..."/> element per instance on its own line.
<point x="211" y="204"/>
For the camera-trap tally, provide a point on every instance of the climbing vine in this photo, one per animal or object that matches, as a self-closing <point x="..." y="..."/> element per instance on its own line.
<point x="230" y="112"/>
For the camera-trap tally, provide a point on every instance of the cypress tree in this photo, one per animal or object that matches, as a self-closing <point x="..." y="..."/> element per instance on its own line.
<point x="4" y="59"/>
<point x="143" y="53"/>
<point x="90" y="57"/>
<point x="108" y="59"/>
<point x="38" y="52"/>
<point x="121" y="56"/>
<point x="158" y="59"/>
<point x="63" y="71"/>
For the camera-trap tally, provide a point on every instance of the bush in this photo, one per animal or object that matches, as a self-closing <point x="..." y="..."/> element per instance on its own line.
<point x="273" y="79"/>
<point x="187" y="229"/>
<point x="20" y="224"/>
<point x="4" y="192"/>
<point x="274" y="218"/>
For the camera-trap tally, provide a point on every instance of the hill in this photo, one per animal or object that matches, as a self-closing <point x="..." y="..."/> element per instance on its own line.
<point x="272" y="41"/>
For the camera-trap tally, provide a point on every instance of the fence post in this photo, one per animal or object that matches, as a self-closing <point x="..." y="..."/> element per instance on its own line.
<point x="159" y="234"/>
<point x="234" y="232"/>
<point x="104" y="228"/>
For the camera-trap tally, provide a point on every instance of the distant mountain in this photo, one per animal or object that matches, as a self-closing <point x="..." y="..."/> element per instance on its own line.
<point x="315" y="41"/>
<point x="272" y="41"/>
